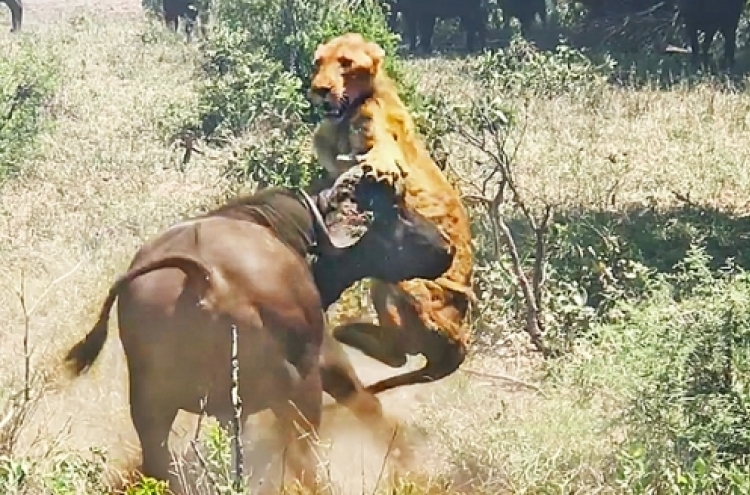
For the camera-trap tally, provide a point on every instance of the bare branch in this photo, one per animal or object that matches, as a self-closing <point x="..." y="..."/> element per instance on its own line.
<point x="685" y="198"/>
<point x="540" y="255"/>
<point x="502" y="173"/>
<point x="534" y="325"/>
<point x="194" y="445"/>
<point x="237" y="453"/>
<point x="532" y="291"/>
<point x="53" y="284"/>
<point x="387" y="454"/>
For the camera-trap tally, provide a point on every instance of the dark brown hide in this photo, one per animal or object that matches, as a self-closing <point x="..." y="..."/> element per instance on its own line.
<point x="244" y="264"/>
<point x="191" y="11"/>
<point x="420" y="17"/>
<point x="711" y="16"/>
<point x="16" y="13"/>
<point x="525" y="11"/>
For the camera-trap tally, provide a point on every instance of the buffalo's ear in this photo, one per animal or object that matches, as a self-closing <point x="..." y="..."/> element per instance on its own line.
<point x="346" y="230"/>
<point x="345" y="222"/>
<point x="353" y="202"/>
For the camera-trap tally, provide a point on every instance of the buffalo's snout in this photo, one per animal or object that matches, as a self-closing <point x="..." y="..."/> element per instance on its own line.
<point x="439" y="260"/>
<point x="419" y="250"/>
<point x="430" y="264"/>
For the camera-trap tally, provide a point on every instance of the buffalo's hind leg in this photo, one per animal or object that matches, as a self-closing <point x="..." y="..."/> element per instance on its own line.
<point x="299" y="422"/>
<point x="411" y="22"/>
<point x="730" y="46"/>
<point x="706" y="47"/>
<point x="16" y="13"/>
<point x="342" y="383"/>
<point x="426" y="26"/>
<point x="153" y="421"/>
<point x="171" y="20"/>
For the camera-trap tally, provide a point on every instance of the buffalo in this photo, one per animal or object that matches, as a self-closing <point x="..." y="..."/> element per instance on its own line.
<point x="525" y="11"/>
<point x="16" y="13"/>
<point x="191" y="11"/>
<point x="711" y="16"/>
<point x="420" y="17"/>
<point x="266" y="265"/>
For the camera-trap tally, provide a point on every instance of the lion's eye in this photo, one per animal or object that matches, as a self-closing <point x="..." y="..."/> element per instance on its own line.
<point x="345" y="63"/>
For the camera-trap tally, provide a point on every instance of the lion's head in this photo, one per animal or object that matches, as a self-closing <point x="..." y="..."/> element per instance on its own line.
<point x="344" y="73"/>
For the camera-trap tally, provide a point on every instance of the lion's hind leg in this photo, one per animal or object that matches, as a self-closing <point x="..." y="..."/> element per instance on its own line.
<point x="386" y="341"/>
<point x="342" y="383"/>
<point x="402" y="332"/>
<point x="380" y="342"/>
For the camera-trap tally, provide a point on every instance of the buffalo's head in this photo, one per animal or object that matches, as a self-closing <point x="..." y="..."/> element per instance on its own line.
<point x="366" y="230"/>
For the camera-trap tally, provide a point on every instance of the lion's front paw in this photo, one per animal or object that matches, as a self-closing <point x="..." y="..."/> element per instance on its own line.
<point x="383" y="171"/>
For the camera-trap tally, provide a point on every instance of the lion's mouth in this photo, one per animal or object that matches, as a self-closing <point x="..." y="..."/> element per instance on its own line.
<point x="336" y="110"/>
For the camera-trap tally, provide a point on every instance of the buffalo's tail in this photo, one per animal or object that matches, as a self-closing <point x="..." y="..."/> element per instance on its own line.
<point x="83" y="354"/>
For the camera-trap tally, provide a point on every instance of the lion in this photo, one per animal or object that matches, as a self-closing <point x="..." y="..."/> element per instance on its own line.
<point x="367" y="124"/>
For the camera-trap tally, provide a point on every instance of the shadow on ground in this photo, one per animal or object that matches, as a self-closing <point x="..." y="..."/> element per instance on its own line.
<point x="615" y="252"/>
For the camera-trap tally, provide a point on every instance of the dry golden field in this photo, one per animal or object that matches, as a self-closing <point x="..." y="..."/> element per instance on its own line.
<point x="104" y="180"/>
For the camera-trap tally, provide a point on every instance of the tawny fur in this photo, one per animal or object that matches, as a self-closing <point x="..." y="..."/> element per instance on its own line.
<point x="375" y="129"/>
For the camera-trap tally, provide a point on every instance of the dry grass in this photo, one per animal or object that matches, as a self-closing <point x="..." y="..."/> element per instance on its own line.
<point x="104" y="181"/>
<point x="102" y="184"/>
<point x="576" y="149"/>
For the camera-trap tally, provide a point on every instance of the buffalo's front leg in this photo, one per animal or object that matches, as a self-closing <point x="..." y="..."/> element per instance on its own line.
<point x="171" y="19"/>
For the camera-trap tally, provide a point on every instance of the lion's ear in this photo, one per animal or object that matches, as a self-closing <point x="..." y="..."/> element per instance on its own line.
<point x="376" y="54"/>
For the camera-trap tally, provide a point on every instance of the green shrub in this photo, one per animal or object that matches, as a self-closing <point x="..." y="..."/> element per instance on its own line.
<point x="256" y="71"/>
<point x="289" y="31"/>
<point x="612" y="255"/>
<point x="523" y="70"/>
<point x="28" y="81"/>
<point x="281" y="157"/>
<point x="244" y="87"/>
<point x="690" y="411"/>
<point x="14" y="474"/>
<point x="58" y="474"/>
<point x="148" y="486"/>
<point x="74" y="474"/>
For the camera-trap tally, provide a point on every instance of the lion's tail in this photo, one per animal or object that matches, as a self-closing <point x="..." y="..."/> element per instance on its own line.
<point x="83" y="354"/>
<point x="446" y="357"/>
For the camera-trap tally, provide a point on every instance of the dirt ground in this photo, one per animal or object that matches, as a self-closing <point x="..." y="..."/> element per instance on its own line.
<point x="38" y="12"/>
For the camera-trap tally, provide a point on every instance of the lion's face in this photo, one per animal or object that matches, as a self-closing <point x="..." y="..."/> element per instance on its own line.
<point x="344" y="72"/>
